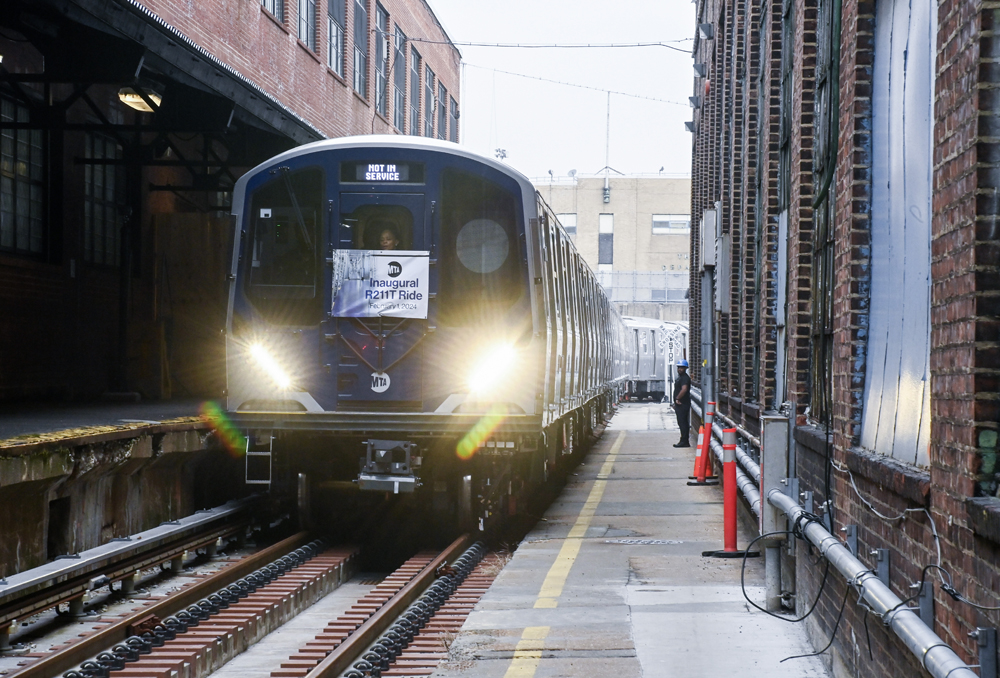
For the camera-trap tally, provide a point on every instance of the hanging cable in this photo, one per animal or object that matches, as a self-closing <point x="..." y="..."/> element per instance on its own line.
<point x="579" y="45"/>
<point x="573" y="84"/>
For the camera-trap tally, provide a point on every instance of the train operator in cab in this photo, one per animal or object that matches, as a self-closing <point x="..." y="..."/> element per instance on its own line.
<point x="387" y="240"/>
<point x="682" y="403"/>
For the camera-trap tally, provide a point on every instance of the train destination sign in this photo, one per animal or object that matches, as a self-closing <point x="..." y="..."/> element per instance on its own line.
<point x="382" y="172"/>
<point x="373" y="283"/>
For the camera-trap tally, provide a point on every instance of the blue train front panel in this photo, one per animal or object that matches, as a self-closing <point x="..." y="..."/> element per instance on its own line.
<point x="381" y="279"/>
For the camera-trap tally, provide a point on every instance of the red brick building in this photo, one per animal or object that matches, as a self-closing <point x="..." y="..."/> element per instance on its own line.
<point x="114" y="233"/>
<point x="845" y="154"/>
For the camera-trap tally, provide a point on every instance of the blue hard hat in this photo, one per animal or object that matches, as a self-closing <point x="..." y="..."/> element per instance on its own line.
<point x="682" y="363"/>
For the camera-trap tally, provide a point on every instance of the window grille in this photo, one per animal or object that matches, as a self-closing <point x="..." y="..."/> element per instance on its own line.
<point x="104" y="201"/>
<point x="337" y="19"/>
<point x="399" y="80"/>
<point x="381" y="58"/>
<point x="21" y="183"/>
<point x="360" y="48"/>
<point x="307" y="23"/>
<point x="429" y="102"/>
<point x="414" y="92"/>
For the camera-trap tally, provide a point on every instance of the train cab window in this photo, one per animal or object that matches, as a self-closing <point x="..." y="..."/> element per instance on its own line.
<point x="481" y="273"/>
<point x="379" y="227"/>
<point x="285" y="245"/>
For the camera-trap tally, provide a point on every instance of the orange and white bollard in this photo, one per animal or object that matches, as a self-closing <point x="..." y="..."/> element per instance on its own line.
<point x="729" y="498"/>
<point x="702" y="465"/>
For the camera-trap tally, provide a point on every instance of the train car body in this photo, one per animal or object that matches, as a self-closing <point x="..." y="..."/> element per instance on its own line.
<point x="407" y="301"/>
<point x="657" y="346"/>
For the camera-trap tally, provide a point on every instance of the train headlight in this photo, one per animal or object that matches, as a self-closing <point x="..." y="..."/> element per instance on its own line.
<point x="492" y="368"/>
<point x="270" y="366"/>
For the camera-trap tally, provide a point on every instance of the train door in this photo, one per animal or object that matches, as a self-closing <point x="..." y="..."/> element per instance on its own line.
<point x="381" y="299"/>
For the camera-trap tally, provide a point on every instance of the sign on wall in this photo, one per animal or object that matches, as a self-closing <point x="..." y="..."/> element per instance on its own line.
<point x="373" y="283"/>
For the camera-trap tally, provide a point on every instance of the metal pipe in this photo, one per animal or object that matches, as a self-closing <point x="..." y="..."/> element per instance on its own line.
<point x="739" y="429"/>
<point x="743" y="481"/>
<point x="935" y="655"/>
<point x="741" y="455"/>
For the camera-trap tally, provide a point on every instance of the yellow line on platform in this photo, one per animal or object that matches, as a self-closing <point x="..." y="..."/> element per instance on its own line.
<point x="527" y="653"/>
<point x="556" y="578"/>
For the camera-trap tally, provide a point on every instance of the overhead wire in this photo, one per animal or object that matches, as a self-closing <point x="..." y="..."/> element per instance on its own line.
<point x="573" y="84"/>
<point x="579" y="45"/>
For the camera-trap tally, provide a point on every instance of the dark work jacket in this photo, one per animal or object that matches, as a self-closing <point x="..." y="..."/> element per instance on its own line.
<point x="682" y="380"/>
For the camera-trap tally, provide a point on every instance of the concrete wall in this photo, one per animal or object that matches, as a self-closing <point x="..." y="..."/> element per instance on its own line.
<point x="66" y="497"/>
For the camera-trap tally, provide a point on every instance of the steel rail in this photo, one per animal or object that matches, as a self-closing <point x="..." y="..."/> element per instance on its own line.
<point x="345" y="654"/>
<point x="934" y="654"/>
<point x="65" y="579"/>
<point x="103" y="639"/>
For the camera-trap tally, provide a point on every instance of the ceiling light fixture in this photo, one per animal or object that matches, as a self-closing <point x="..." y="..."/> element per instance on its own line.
<point x="131" y="98"/>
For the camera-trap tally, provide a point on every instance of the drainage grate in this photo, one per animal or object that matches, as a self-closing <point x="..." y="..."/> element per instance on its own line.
<point x="642" y="542"/>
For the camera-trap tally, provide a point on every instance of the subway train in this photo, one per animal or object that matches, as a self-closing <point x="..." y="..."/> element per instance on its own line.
<point x="406" y="316"/>
<point x="659" y="344"/>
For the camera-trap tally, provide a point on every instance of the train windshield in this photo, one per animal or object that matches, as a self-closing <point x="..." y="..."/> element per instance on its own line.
<point x="481" y="271"/>
<point x="285" y="242"/>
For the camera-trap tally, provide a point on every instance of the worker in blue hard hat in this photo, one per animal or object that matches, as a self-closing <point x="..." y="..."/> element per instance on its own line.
<point x="682" y="403"/>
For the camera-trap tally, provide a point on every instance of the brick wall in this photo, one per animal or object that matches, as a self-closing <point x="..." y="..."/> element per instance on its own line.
<point x="958" y="491"/>
<point x="251" y="40"/>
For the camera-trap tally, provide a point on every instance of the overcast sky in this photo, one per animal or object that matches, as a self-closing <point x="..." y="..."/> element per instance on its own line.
<point x="544" y="126"/>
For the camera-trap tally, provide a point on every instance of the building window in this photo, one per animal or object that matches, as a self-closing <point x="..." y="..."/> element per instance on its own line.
<point x="568" y="222"/>
<point x="671" y="224"/>
<point x="381" y="58"/>
<point x="104" y="201"/>
<point x="337" y="20"/>
<point x="453" y="121"/>
<point x="414" y="92"/>
<point x="442" y="108"/>
<point x="307" y="23"/>
<point x="606" y="239"/>
<point x="275" y="7"/>
<point x="399" y="80"/>
<point x="428" y="102"/>
<point x="361" y="48"/>
<point x="21" y="172"/>
<point x="658" y="295"/>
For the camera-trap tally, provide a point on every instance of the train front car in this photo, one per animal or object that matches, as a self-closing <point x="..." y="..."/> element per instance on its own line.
<point x="384" y="330"/>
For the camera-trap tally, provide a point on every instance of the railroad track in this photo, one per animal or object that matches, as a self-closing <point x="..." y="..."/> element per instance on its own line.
<point x="401" y="627"/>
<point x="68" y="578"/>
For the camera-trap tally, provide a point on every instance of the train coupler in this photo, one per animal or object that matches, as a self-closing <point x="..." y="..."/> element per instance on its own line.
<point x="387" y="466"/>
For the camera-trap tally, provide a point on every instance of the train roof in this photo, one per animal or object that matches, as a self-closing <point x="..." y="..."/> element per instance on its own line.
<point x="380" y="141"/>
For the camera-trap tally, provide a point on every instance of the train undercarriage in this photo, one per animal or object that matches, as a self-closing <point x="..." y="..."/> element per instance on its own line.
<point x="433" y="475"/>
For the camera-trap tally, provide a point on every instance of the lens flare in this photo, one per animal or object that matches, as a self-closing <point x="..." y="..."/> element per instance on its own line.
<point x="478" y="434"/>
<point x="234" y="441"/>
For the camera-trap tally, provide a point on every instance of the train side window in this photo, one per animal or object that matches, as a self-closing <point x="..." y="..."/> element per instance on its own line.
<point x="285" y="244"/>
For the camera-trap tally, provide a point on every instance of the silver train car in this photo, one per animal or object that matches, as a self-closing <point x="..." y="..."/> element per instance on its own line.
<point x="410" y="316"/>
<point x="658" y="345"/>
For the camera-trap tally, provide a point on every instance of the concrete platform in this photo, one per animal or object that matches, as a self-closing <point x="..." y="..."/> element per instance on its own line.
<point x="31" y="422"/>
<point x="612" y="582"/>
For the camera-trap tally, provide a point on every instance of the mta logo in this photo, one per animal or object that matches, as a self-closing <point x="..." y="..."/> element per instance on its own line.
<point x="380" y="382"/>
<point x="395" y="268"/>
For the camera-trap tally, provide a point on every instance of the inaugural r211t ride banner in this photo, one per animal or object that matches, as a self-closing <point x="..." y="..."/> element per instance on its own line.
<point x="370" y="283"/>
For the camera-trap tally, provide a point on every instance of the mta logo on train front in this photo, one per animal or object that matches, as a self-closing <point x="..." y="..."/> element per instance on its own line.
<point x="380" y="382"/>
<point x="395" y="268"/>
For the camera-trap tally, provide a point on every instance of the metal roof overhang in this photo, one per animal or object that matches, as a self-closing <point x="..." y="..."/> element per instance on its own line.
<point x="78" y="37"/>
